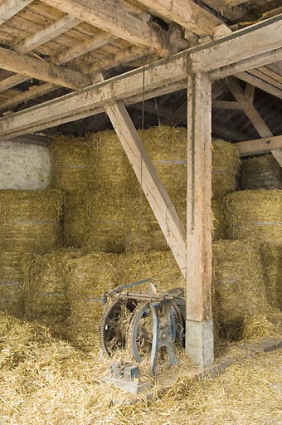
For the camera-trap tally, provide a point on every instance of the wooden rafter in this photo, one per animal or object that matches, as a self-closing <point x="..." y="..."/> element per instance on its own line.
<point x="41" y="70"/>
<point x="162" y="76"/>
<point x="112" y="17"/>
<point x="185" y="13"/>
<point x="46" y="34"/>
<point x="253" y="116"/>
<point x="11" y="7"/>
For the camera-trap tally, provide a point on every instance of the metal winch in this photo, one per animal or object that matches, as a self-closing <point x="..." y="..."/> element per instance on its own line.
<point x="146" y="323"/>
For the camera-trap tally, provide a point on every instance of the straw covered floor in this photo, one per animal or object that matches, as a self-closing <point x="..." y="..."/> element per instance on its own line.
<point x="44" y="381"/>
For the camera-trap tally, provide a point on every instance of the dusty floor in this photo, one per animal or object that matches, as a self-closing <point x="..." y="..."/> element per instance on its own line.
<point x="44" y="381"/>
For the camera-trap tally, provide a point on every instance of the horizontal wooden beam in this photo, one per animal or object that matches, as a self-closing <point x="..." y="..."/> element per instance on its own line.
<point x="257" y="39"/>
<point x="41" y="70"/>
<point x="112" y="17"/>
<point x="185" y="13"/>
<point x="259" y="146"/>
<point x="171" y="72"/>
<point x="11" y="7"/>
<point x="226" y="104"/>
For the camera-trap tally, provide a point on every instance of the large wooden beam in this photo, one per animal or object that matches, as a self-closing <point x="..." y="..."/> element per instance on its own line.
<point x="11" y="7"/>
<point x="154" y="191"/>
<point x="257" y="40"/>
<point x="128" y="86"/>
<point x="199" y="325"/>
<point x="41" y="70"/>
<point x="91" y="100"/>
<point x="185" y="13"/>
<point x="249" y="78"/>
<point x="112" y="17"/>
<point x="259" y="146"/>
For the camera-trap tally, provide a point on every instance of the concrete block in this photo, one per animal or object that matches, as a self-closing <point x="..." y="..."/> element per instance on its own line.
<point x="199" y="342"/>
<point x="24" y="166"/>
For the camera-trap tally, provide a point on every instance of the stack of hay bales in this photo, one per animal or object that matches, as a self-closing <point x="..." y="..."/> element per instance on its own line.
<point x="89" y="276"/>
<point x="29" y="222"/>
<point x="225" y="168"/>
<point x="11" y="282"/>
<point x="74" y="173"/>
<point x="109" y="207"/>
<point x="254" y="214"/>
<point x="239" y="287"/>
<point x="160" y="266"/>
<point x="73" y="160"/>
<point x="261" y="172"/>
<point x="272" y="262"/>
<point x="45" y="288"/>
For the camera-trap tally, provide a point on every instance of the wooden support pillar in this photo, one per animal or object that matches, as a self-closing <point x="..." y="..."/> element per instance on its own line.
<point x="199" y="324"/>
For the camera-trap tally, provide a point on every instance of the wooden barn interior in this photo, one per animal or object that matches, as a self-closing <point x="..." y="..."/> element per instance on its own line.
<point x="140" y="146"/>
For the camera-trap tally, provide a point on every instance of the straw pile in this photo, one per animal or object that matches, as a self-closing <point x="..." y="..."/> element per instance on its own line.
<point x="45" y="287"/>
<point x="272" y="264"/>
<point x="89" y="276"/>
<point x="261" y="172"/>
<point x="11" y="282"/>
<point x="29" y="220"/>
<point x="73" y="162"/>
<point x="45" y="381"/>
<point x="254" y="214"/>
<point x="239" y="287"/>
<point x="225" y="167"/>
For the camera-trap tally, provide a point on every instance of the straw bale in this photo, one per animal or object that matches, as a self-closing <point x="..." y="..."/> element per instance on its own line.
<point x="160" y="266"/>
<point x="107" y="224"/>
<point x="45" y="287"/>
<point x="254" y="214"/>
<point x="113" y="171"/>
<point x="29" y="220"/>
<point x="272" y="264"/>
<point x="89" y="276"/>
<point x="11" y="283"/>
<point x="261" y="172"/>
<point x="73" y="162"/>
<point x="167" y="148"/>
<point x="74" y="219"/>
<point x="219" y="231"/>
<point x="225" y="167"/>
<point x="239" y="286"/>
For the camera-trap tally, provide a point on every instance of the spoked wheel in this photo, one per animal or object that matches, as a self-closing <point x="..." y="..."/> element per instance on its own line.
<point x="140" y="334"/>
<point x="114" y="324"/>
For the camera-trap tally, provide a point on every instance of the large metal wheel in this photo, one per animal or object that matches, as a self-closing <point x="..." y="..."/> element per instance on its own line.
<point x="114" y="324"/>
<point x="140" y="333"/>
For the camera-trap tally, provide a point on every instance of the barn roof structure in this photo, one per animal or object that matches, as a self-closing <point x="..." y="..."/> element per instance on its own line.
<point x="72" y="66"/>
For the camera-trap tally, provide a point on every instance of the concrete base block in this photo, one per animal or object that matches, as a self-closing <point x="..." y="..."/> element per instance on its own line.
<point x="199" y="342"/>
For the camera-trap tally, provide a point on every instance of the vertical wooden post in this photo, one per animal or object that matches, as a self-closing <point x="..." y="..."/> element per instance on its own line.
<point x="199" y="325"/>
